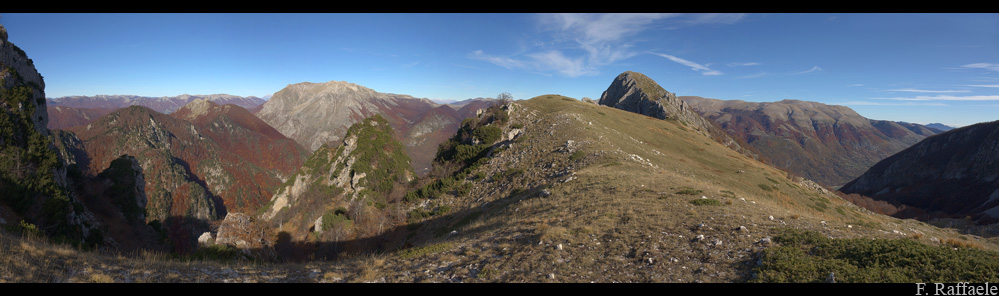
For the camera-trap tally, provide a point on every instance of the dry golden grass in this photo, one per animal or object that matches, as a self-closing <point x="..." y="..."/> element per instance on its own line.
<point x="961" y="243"/>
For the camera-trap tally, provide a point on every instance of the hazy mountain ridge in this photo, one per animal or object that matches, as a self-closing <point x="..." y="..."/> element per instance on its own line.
<point x="164" y="105"/>
<point x="79" y="110"/>
<point x="940" y="126"/>
<point x="827" y="143"/>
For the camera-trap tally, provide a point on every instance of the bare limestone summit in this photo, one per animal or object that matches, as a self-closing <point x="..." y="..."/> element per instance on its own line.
<point x="635" y="92"/>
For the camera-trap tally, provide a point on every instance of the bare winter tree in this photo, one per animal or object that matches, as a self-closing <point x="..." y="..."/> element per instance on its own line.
<point x="504" y="97"/>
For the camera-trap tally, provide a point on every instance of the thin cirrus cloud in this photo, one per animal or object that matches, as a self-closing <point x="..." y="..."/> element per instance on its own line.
<point x="904" y="103"/>
<point x="984" y="66"/>
<point x="693" y="66"/>
<point x="580" y="44"/>
<point x="813" y="69"/>
<point x="944" y="98"/>
<point x="928" y="91"/>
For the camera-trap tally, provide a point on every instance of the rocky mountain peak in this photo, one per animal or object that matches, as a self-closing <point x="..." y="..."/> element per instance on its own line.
<point x="195" y="109"/>
<point x="635" y="92"/>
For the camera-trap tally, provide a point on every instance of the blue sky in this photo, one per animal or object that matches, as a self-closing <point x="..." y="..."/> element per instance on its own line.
<point x="919" y="68"/>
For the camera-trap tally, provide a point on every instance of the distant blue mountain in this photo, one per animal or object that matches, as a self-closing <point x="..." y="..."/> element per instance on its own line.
<point x="940" y="126"/>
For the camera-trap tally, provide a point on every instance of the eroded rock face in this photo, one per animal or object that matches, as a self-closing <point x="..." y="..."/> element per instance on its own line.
<point x="953" y="174"/>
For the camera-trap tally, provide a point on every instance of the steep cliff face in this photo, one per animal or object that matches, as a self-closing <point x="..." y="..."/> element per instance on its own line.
<point x="315" y="114"/>
<point x="17" y="72"/>
<point x="32" y="176"/>
<point x="826" y="143"/>
<point x="952" y="174"/>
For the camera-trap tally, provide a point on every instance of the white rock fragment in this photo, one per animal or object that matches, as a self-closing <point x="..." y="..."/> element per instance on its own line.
<point x="206" y="239"/>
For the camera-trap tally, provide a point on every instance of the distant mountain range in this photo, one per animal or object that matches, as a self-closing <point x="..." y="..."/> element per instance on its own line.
<point x="829" y="144"/>
<point x="78" y="110"/>
<point x="940" y="126"/>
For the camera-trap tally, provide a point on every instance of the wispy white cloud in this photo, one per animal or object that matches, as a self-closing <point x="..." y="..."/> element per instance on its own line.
<point x="744" y="64"/>
<point x="813" y="69"/>
<point x="504" y="62"/>
<point x="572" y="67"/>
<point x="944" y="98"/>
<point x="986" y="66"/>
<point x="693" y="66"/>
<point x="869" y="103"/>
<point x="757" y="75"/>
<point x="541" y="62"/>
<point x="928" y="91"/>
<point x="714" y="18"/>
<point x="581" y="44"/>
<point x="985" y="85"/>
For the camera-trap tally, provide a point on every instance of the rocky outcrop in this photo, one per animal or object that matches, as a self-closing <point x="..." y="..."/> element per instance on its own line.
<point x="363" y="170"/>
<point x="246" y="234"/>
<point x="826" y="143"/>
<point x="127" y="187"/>
<point x="635" y="92"/>
<point x="952" y="174"/>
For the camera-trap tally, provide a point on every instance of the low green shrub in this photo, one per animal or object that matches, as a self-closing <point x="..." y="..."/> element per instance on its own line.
<point x="805" y="256"/>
